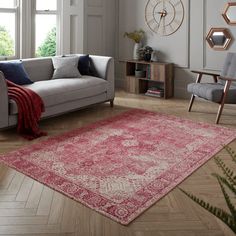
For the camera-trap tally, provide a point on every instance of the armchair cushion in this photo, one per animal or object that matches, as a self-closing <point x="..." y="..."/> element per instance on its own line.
<point x="212" y="92"/>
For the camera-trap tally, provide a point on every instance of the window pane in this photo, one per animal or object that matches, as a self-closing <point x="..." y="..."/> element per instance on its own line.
<point x="45" y="35"/>
<point x="7" y="34"/>
<point x="46" y="5"/>
<point x="7" y="3"/>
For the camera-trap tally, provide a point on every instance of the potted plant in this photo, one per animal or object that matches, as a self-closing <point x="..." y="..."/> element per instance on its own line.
<point x="137" y="37"/>
<point x="227" y="183"/>
<point x="145" y="53"/>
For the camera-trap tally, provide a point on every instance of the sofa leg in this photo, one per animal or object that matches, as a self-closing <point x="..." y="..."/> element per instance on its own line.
<point x="191" y="103"/>
<point x="112" y="103"/>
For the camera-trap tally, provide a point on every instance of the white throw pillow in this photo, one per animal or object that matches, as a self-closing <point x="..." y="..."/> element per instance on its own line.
<point x="65" y="67"/>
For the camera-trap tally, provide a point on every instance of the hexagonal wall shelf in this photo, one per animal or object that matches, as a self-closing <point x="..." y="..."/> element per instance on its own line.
<point x="219" y="38"/>
<point x="229" y="13"/>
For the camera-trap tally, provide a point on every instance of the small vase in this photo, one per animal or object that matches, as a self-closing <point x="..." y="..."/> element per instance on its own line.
<point x="137" y="46"/>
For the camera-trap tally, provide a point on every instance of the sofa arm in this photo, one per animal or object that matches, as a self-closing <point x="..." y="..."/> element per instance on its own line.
<point x="105" y="68"/>
<point x="3" y="102"/>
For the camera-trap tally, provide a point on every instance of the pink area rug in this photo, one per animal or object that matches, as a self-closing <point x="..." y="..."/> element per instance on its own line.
<point x="123" y="165"/>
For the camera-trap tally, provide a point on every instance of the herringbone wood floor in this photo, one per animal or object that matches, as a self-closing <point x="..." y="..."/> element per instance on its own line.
<point x="29" y="208"/>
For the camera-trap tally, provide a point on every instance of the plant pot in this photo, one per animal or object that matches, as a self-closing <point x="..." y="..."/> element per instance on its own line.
<point x="137" y="46"/>
<point x="147" y="57"/>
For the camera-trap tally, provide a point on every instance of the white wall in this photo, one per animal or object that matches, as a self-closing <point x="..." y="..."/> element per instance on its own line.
<point x="186" y="48"/>
<point x="88" y="26"/>
<point x="72" y="26"/>
<point x="100" y="30"/>
<point x="132" y="16"/>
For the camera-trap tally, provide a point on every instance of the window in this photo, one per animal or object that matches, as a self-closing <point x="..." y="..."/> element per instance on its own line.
<point x="8" y="28"/>
<point x="45" y="28"/>
<point x="29" y="28"/>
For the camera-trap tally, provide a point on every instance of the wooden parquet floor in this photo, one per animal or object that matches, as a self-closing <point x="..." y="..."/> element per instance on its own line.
<point x="30" y="208"/>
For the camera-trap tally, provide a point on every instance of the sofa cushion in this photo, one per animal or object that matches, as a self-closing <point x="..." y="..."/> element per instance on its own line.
<point x="59" y="91"/>
<point x="65" y="67"/>
<point x="39" y="69"/>
<point x="212" y="91"/>
<point x="84" y="64"/>
<point x="15" y="72"/>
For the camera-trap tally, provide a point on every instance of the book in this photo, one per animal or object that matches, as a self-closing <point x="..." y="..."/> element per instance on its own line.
<point x="155" y="88"/>
<point x="155" y="91"/>
<point x="154" y="95"/>
<point x="148" y="72"/>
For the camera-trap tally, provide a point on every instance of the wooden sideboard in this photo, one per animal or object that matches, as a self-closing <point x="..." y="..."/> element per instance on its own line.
<point x="142" y="76"/>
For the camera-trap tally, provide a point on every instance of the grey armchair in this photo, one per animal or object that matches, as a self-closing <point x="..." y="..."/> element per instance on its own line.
<point x="222" y="91"/>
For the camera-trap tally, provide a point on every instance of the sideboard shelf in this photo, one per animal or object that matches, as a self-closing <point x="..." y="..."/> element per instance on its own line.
<point x="154" y="75"/>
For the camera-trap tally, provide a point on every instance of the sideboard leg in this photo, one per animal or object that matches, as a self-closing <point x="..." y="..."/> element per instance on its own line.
<point x="112" y="103"/>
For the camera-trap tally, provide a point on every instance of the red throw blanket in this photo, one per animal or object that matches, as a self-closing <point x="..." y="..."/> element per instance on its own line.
<point x="30" y="107"/>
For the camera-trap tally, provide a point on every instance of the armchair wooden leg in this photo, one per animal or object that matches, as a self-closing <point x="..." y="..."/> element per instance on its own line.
<point x="112" y="103"/>
<point x="224" y="95"/>
<point x="191" y="102"/>
<point x="198" y="80"/>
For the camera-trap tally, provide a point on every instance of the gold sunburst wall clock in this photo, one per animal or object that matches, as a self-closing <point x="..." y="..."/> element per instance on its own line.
<point x="164" y="17"/>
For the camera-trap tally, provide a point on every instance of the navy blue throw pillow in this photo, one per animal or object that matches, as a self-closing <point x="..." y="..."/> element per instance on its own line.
<point x="15" y="72"/>
<point x="84" y="64"/>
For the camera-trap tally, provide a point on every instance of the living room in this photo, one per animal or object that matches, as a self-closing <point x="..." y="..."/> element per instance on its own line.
<point x="101" y="157"/>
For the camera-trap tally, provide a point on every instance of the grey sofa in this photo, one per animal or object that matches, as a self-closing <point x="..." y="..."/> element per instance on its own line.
<point x="60" y="95"/>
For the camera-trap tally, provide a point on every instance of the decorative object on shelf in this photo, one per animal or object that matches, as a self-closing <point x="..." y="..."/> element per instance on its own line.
<point x="219" y="38"/>
<point x="225" y="181"/>
<point x="137" y="46"/>
<point x="140" y="73"/>
<point x="145" y="53"/>
<point x="164" y="17"/>
<point x="229" y="13"/>
<point x="154" y="56"/>
<point x="137" y="37"/>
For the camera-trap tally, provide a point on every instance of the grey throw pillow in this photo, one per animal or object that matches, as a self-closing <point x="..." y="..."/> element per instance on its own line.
<point x="65" y="67"/>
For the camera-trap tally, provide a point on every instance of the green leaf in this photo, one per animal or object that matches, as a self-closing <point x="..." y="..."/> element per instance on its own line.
<point x="231" y="152"/>
<point x="6" y="43"/>
<point x="229" y="181"/>
<point x="225" y="182"/>
<point x="226" y="170"/>
<point x="228" y="201"/>
<point x="219" y="213"/>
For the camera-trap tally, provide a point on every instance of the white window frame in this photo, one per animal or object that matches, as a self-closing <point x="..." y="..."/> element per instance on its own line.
<point x="46" y="12"/>
<point x="15" y="10"/>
